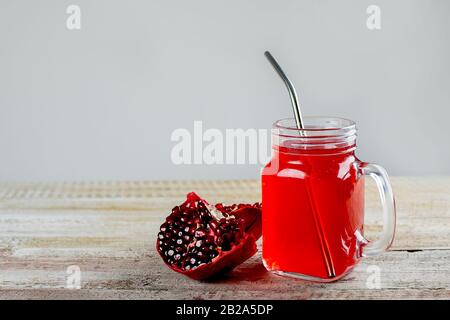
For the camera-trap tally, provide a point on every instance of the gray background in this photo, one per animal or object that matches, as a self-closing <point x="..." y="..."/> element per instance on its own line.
<point x="101" y="102"/>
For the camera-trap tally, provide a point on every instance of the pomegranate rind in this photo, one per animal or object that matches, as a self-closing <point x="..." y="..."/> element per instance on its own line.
<point x="225" y="261"/>
<point x="253" y="220"/>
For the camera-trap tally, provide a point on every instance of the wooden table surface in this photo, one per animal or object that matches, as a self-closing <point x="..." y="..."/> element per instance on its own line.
<point x="109" y="231"/>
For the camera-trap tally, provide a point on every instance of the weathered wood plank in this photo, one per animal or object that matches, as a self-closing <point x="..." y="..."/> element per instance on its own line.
<point x="423" y="274"/>
<point x="109" y="230"/>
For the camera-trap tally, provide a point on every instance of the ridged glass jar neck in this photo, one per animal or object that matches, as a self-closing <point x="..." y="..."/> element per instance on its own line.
<point x="320" y="136"/>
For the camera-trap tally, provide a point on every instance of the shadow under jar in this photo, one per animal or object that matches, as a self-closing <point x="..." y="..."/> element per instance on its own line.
<point x="313" y="201"/>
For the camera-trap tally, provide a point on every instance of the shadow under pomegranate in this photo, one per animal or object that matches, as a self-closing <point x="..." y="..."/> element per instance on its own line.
<point x="247" y="271"/>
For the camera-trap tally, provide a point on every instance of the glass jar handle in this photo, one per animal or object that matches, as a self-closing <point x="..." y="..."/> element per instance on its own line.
<point x="379" y="174"/>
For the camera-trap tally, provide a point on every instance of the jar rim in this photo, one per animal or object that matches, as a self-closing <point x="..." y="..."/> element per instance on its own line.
<point x="320" y="133"/>
<point x="312" y="124"/>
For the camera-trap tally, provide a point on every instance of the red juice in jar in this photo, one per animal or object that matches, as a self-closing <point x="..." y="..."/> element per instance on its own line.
<point x="313" y="200"/>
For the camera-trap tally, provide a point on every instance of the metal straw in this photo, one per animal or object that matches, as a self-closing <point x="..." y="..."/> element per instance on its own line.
<point x="300" y="125"/>
<point x="291" y="89"/>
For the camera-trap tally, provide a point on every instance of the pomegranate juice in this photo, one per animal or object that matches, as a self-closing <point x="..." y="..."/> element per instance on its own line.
<point x="308" y="190"/>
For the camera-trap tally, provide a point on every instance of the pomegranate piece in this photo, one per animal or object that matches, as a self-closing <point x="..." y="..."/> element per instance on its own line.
<point x="200" y="240"/>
